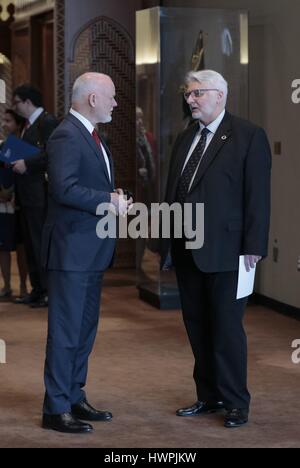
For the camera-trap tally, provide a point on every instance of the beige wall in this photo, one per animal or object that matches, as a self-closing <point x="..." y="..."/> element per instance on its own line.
<point x="274" y="63"/>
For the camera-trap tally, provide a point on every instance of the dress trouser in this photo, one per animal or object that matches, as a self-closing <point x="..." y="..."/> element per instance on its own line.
<point x="74" y="303"/>
<point x="32" y="219"/>
<point x="214" y="322"/>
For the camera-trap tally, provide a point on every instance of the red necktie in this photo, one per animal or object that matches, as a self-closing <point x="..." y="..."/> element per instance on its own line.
<point x="96" y="138"/>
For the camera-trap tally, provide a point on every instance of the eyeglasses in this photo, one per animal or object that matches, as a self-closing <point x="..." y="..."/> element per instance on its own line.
<point x="197" y="93"/>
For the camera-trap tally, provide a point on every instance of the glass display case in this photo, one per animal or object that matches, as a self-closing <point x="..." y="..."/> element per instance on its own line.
<point x="169" y="43"/>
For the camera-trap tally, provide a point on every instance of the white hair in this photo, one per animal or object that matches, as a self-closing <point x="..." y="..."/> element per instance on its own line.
<point x="86" y="84"/>
<point x="211" y="77"/>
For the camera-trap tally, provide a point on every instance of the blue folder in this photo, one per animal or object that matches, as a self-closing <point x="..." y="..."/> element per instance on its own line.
<point x="14" y="148"/>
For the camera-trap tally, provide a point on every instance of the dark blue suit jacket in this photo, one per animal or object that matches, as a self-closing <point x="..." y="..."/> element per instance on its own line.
<point x="78" y="183"/>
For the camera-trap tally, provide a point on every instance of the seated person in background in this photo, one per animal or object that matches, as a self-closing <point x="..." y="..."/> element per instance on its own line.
<point x="10" y="223"/>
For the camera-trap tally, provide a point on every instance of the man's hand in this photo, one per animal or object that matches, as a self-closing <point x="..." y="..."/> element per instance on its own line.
<point x="251" y="261"/>
<point x="19" y="167"/>
<point x="121" y="204"/>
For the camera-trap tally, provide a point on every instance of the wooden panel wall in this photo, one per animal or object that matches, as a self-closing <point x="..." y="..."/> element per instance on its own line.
<point x="33" y="55"/>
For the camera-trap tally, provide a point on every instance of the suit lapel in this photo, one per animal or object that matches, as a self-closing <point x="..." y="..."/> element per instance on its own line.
<point x="89" y="139"/>
<point x="111" y="164"/>
<point x="33" y="130"/>
<point x="219" y="140"/>
<point x="181" y="155"/>
<point x="100" y="156"/>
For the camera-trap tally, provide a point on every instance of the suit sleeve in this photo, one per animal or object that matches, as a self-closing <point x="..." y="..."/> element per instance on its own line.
<point x="164" y="244"/>
<point x="257" y="195"/>
<point x="64" y="157"/>
<point x="38" y="163"/>
<point x="170" y="179"/>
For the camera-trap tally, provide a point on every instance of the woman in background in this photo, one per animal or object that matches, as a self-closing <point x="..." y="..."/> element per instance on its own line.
<point x="10" y="222"/>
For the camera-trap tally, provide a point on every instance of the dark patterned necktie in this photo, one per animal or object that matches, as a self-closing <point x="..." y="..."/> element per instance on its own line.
<point x="190" y="168"/>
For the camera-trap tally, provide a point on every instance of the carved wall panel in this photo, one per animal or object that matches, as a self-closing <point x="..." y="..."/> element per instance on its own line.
<point x="60" y="58"/>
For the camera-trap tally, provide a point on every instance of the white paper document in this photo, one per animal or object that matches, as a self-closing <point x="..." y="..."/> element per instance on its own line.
<point x="246" y="280"/>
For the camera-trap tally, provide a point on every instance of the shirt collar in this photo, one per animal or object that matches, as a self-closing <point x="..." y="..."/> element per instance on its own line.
<point x="213" y="126"/>
<point x="90" y="127"/>
<point x="35" y="115"/>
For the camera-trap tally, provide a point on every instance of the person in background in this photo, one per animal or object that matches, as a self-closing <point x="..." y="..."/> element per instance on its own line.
<point x="31" y="186"/>
<point x="10" y="223"/>
<point x="146" y="151"/>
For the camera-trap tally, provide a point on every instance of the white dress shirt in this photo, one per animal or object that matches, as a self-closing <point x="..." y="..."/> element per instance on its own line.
<point x="35" y="115"/>
<point x="90" y="128"/>
<point x="212" y="127"/>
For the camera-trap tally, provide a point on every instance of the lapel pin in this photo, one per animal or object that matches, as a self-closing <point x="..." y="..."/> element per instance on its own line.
<point x="224" y="137"/>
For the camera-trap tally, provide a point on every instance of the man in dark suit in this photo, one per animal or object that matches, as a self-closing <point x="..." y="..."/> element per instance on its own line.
<point x="31" y="188"/>
<point x="81" y="177"/>
<point x="223" y="162"/>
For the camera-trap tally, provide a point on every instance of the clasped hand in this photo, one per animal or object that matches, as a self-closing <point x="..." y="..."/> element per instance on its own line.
<point x="121" y="202"/>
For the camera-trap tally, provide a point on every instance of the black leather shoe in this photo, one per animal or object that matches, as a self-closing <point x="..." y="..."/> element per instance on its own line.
<point x="201" y="407"/>
<point x="42" y="302"/>
<point x="236" y="418"/>
<point x="65" y="423"/>
<point x="28" y="299"/>
<point x="85" y="411"/>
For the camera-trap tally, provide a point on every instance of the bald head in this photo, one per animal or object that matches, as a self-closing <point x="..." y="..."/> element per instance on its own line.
<point x="88" y="84"/>
<point x="93" y="96"/>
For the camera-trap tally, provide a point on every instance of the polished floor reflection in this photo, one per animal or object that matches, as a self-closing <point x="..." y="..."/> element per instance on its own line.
<point x="141" y="370"/>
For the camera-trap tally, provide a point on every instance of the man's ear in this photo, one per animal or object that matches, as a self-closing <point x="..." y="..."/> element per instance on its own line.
<point x="220" y="96"/>
<point x="92" y="100"/>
